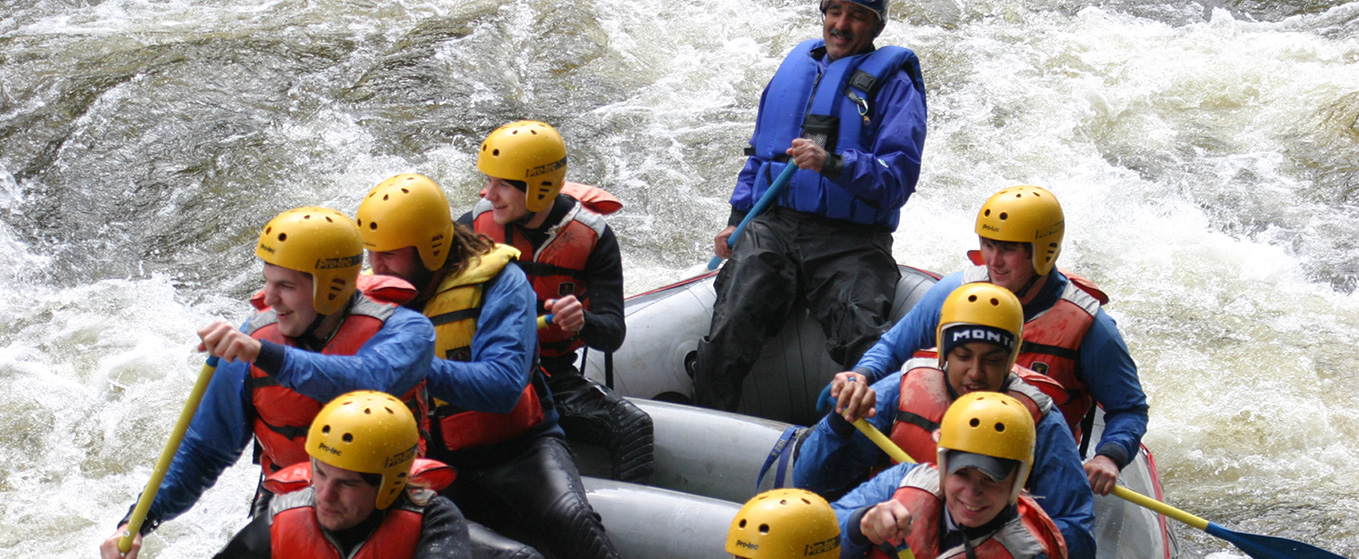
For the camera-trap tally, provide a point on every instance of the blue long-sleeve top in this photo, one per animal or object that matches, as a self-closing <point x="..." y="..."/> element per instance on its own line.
<point x="834" y="457"/>
<point x="1105" y="366"/>
<point x="884" y="176"/>
<point x="394" y="360"/>
<point x="502" y="350"/>
<point x="850" y="509"/>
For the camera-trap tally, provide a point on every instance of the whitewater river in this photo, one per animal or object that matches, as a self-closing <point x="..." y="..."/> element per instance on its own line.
<point x="1206" y="156"/>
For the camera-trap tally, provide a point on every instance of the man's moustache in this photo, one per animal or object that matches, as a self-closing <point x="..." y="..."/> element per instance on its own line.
<point x="846" y="35"/>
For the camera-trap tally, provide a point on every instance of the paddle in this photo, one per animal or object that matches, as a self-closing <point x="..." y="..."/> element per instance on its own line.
<point x="765" y="200"/>
<point x="134" y="524"/>
<point x="824" y="403"/>
<point x="545" y="320"/>
<point x="1255" y="545"/>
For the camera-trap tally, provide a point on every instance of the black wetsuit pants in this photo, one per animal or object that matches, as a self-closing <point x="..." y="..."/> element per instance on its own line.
<point x="530" y="490"/>
<point x="842" y="272"/>
<point x="593" y="414"/>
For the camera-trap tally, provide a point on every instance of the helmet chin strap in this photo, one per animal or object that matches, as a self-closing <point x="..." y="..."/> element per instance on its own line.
<point x="309" y="340"/>
<point x="1027" y="286"/>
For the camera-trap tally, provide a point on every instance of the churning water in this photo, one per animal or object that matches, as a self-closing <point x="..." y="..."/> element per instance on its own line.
<point x="1207" y="156"/>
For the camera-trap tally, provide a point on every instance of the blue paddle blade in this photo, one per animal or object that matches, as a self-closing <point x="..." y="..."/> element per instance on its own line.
<point x="1269" y="547"/>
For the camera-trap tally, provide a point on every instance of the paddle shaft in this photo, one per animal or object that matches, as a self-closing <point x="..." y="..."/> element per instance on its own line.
<point x="134" y="524"/>
<point x="1157" y="506"/>
<point x="1255" y="545"/>
<point x="545" y="320"/>
<point x="760" y="205"/>
<point x="893" y="451"/>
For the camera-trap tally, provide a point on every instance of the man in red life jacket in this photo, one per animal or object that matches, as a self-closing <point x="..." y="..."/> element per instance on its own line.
<point x="980" y="329"/>
<point x="318" y="334"/>
<point x="975" y="509"/>
<point x="494" y="419"/>
<point x="784" y="524"/>
<point x="1067" y="335"/>
<point x="360" y="497"/>
<point x="571" y="257"/>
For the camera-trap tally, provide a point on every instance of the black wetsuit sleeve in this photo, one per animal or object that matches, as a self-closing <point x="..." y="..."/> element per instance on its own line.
<point x="466" y="219"/>
<point x="252" y="542"/>
<point x="443" y="535"/>
<point x="604" y="326"/>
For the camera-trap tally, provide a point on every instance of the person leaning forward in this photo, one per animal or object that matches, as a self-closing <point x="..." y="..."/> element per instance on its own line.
<point x="852" y="118"/>
<point x="971" y="504"/>
<point x="980" y="327"/>
<point x="363" y="494"/>
<point x="571" y="257"/>
<point x="320" y="332"/>
<point x="494" y="420"/>
<point x="1067" y="335"/>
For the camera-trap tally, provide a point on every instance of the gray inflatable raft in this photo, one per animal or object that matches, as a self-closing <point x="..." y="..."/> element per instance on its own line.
<point x="709" y="462"/>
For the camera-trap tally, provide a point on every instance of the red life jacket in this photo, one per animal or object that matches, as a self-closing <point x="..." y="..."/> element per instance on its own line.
<point x="1031" y="531"/>
<point x="557" y="268"/>
<point x="282" y="416"/>
<point x="925" y="397"/>
<point x="295" y="533"/>
<point x="1052" y="341"/>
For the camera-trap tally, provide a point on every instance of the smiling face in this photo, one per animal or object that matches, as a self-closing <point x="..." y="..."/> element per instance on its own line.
<point x="973" y="498"/>
<point x="849" y="29"/>
<point x="343" y="498"/>
<point x="1010" y="264"/>
<point x="508" y="203"/>
<point x="977" y="366"/>
<point x="289" y="292"/>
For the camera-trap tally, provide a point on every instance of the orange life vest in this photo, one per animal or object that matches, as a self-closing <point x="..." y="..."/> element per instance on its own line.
<point x="295" y="533"/>
<point x="1030" y="533"/>
<point x="555" y="269"/>
<point x="281" y="415"/>
<point x="454" y="310"/>
<point x="925" y="397"/>
<point x="1052" y="341"/>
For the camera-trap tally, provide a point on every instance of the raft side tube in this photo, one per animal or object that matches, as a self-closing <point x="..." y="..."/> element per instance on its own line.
<point x="708" y="452"/>
<point x="651" y="523"/>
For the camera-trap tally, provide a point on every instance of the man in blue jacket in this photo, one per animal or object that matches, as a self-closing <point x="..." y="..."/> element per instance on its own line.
<point x="1067" y="336"/>
<point x="981" y="328"/>
<point x="319" y="334"/>
<point x="851" y="117"/>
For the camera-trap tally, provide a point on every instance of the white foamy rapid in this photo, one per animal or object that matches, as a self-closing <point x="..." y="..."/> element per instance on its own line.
<point x="1205" y="156"/>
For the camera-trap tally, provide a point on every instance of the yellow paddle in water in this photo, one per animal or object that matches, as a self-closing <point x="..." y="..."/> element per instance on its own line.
<point x="1255" y="545"/>
<point x="134" y="524"/>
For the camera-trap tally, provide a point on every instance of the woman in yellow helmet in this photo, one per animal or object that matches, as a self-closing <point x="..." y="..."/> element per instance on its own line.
<point x="970" y="505"/>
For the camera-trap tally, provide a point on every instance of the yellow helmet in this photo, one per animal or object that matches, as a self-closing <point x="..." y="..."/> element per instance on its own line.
<point x="784" y="523"/>
<point x="988" y="424"/>
<point x="528" y="151"/>
<point x="992" y="308"/>
<point x="370" y="433"/>
<point x="1025" y="214"/>
<point x="408" y="210"/>
<point x="321" y="242"/>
